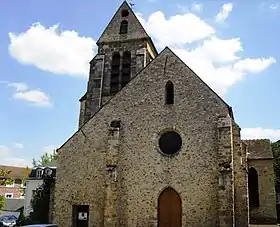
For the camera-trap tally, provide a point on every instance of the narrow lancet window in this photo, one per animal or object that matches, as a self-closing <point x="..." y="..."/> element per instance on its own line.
<point x="169" y="93"/>
<point x="124" y="27"/>
<point x="253" y="188"/>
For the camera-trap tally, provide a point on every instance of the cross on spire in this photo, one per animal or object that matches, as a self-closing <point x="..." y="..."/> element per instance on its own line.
<point x="131" y="3"/>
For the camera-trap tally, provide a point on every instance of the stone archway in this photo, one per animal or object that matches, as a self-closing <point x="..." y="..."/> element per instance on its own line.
<point x="169" y="209"/>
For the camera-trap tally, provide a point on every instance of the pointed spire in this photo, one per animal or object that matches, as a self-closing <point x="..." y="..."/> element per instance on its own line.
<point x="123" y="26"/>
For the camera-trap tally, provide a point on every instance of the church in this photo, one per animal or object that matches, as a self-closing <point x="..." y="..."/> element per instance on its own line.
<point x="156" y="146"/>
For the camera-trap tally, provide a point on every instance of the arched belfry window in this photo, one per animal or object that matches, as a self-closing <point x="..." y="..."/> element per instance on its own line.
<point x="115" y="72"/>
<point x="169" y="93"/>
<point x="253" y="188"/>
<point x="124" y="27"/>
<point x="126" y="68"/>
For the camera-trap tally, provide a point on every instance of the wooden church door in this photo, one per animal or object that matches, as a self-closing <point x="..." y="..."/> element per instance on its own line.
<point x="169" y="209"/>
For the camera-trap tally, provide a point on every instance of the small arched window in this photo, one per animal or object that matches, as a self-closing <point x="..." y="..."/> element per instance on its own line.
<point x="126" y="68"/>
<point x="115" y="72"/>
<point x="124" y="27"/>
<point x="253" y="185"/>
<point x="169" y="93"/>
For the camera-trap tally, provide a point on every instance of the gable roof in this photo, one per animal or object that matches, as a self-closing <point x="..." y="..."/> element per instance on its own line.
<point x="16" y="172"/>
<point x="167" y="51"/>
<point x="202" y="81"/>
<point x="135" y="28"/>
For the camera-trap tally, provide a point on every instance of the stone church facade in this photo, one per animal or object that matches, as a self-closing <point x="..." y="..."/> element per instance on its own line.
<point x="156" y="146"/>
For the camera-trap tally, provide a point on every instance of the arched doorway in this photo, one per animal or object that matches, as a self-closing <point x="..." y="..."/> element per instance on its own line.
<point x="169" y="209"/>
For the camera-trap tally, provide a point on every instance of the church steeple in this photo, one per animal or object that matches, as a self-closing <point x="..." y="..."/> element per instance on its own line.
<point x="123" y="26"/>
<point x="124" y="48"/>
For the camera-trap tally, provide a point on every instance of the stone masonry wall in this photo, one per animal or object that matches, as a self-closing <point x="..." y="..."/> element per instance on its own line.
<point x="240" y="179"/>
<point x="260" y="157"/>
<point x="225" y="163"/>
<point x="259" y="149"/>
<point x="135" y="41"/>
<point x="112" y="31"/>
<point x="143" y="172"/>
<point x="98" y="91"/>
<point x="266" y="212"/>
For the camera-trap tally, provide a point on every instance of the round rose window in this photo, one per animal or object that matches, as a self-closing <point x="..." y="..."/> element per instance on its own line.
<point x="170" y="142"/>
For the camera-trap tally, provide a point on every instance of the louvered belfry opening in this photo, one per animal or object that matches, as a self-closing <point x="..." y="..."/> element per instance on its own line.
<point x="126" y="68"/>
<point x="115" y="73"/>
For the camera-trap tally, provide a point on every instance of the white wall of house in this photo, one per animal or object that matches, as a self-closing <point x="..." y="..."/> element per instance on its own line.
<point x="31" y="185"/>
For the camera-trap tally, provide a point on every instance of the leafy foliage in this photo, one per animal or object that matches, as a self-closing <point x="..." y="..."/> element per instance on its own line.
<point x="45" y="159"/>
<point x="23" y="179"/>
<point x="4" y="177"/>
<point x="2" y="202"/>
<point x="40" y="204"/>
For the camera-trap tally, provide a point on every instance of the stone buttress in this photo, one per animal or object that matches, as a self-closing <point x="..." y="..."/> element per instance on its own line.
<point x="112" y="177"/>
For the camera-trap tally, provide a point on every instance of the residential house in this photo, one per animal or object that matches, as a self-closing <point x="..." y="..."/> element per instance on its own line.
<point x="36" y="179"/>
<point x="16" y="188"/>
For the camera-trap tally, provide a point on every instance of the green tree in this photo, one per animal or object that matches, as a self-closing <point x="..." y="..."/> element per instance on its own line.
<point x="45" y="159"/>
<point x="23" y="180"/>
<point x="40" y="203"/>
<point x="2" y="202"/>
<point x="4" y="179"/>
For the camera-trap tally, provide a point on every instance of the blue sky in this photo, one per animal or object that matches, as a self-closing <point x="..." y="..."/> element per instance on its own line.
<point x="45" y="47"/>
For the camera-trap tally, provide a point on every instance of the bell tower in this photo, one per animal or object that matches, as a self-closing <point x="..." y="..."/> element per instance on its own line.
<point x="124" y="49"/>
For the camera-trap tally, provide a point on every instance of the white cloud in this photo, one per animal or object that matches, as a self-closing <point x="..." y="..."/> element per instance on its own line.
<point x="224" y="12"/>
<point x="273" y="6"/>
<point x="59" y="52"/>
<point x="260" y="133"/>
<point x="219" y="50"/>
<point x="18" y="145"/>
<point x="177" y="30"/>
<point x="254" y="65"/>
<point x="18" y="86"/>
<point x="36" y="97"/>
<point x="217" y="61"/>
<point x="9" y="158"/>
<point x="33" y="96"/>
<point x="196" y="7"/>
